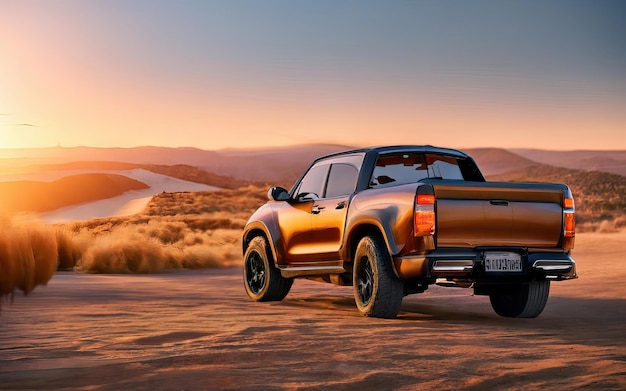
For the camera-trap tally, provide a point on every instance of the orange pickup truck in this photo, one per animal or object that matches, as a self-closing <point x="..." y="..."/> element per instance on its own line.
<point x="391" y="221"/>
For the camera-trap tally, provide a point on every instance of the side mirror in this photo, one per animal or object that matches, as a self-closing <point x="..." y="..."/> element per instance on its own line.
<point x="277" y="194"/>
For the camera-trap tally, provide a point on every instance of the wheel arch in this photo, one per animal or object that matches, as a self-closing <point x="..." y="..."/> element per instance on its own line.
<point x="358" y="233"/>
<point x="259" y="229"/>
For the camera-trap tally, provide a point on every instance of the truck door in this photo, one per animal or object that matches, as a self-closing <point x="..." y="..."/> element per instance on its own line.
<point x="329" y="212"/>
<point x="295" y="217"/>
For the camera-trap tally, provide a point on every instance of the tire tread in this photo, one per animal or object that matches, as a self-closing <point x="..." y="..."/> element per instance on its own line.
<point x="277" y="286"/>
<point x="387" y="297"/>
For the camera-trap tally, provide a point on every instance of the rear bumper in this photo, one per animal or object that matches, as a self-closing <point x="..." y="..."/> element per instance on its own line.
<point x="469" y="265"/>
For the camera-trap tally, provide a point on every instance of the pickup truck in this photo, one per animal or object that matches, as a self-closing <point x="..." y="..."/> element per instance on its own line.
<point x="391" y="221"/>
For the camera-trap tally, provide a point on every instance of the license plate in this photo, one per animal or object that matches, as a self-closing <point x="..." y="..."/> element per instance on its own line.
<point x="503" y="261"/>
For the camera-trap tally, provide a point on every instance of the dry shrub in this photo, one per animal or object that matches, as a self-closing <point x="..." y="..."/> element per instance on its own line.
<point x="231" y="256"/>
<point x="216" y="220"/>
<point x="620" y="222"/>
<point x="28" y="256"/>
<point x="606" y="226"/>
<point x="192" y="239"/>
<point x="197" y="257"/>
<point x="177" y="230"/>
<point x="69" y="252"/>
<point x="130" y="251"/>
<point x="168" y="232"/>
<point x="227" y="242"/>
<point x="45" y="253"/>
<point x="125" y="251"/>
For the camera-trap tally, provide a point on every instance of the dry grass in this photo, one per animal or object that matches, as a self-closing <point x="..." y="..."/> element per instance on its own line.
<point x="30" y="253"/>
<point x="617" y="224"/>
<point x="176" y="231"/>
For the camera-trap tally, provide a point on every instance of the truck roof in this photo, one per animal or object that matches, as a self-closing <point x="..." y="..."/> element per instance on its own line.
<point x="398" y="148"/>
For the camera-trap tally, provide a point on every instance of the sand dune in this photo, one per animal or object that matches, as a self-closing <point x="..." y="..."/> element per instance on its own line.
<point x="128" y="203"/>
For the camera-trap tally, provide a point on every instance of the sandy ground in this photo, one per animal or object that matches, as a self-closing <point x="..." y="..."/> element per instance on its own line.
<point x="125" y="204"/>
<point x="197" y="330"/>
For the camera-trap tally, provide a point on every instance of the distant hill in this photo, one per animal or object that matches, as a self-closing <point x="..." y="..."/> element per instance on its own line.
<point x="607" y="161"/>
<point x="598" y="192"/>
<point x="493" y="161"/>
<point x="598" y="195"/>
<point x="280" y="164"/>
<point x="179" y="171"/>
<point x="35" y="196"/>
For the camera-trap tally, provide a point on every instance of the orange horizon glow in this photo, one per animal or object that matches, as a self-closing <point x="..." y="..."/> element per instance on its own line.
<point x="77" y="84"/>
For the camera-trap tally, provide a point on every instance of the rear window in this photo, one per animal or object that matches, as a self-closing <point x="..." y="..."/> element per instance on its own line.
<point x="410" y="167"/>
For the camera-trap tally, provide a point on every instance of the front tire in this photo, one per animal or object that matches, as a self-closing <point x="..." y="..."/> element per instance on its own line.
<point x="521" y="301"/>
<point x="261" y="278"/>
<point x="377" y="290"/>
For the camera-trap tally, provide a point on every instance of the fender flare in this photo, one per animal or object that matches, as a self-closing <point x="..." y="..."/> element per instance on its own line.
<point x="259" y="228"/>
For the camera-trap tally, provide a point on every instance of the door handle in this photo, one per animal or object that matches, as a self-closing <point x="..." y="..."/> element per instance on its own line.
<point x="316" y="209"/>
<point x="340" y="205"/>
<point x="499" y="202"/>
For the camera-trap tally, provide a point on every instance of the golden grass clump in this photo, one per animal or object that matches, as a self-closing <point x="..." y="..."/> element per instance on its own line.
<point x="124" y="251"/>
<point x="166" y="232"/>
<point x="137" y="250"/>
<point x="607" y="226"/>
<point x="68" y="251"/>
<point x="620" y="222"/>
<point x="176" y="231"/>
<point x="29" y="256"/>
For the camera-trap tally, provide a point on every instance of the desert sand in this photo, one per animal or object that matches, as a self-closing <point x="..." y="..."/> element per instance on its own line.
<point x="125" y="204"/>
<point x="196" y="330"/>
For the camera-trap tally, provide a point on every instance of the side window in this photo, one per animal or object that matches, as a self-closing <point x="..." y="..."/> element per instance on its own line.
<point x="341" y="180"/>
<point x="313" y="182"/>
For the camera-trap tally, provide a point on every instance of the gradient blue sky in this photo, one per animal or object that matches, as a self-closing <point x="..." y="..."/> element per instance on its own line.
<point x="234" y="73"/>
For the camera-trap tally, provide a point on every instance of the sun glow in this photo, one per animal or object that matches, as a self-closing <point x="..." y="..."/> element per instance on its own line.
<point x="5" y="137"/>
<point x="85" y="74"/>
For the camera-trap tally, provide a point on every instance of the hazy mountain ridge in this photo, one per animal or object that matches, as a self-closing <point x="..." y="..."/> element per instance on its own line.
<point x="282" y="165"/>
<point x="492" y="161"/>
<point x="598" y="193"/>
<point x="589" y="160"/>
<point x="251" y="165"/>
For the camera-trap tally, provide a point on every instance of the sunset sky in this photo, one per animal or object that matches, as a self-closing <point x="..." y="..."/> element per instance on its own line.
<point x="252" y="73"/>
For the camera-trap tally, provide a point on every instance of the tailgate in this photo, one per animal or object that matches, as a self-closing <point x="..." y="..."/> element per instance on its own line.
<point x="474" y="214"/>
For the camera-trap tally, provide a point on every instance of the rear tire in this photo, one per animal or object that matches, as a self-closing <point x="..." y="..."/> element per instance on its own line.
<point x="521" y="301"/>
<point x="377" y="290"/>
<point x="261" y="278"/>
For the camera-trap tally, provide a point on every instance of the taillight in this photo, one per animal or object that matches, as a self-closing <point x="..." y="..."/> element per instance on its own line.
<point x="425" y="199"/>
<point x="569" y="223"/>
<point x="569" y="219"/>
<point x="424" y="217"/>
